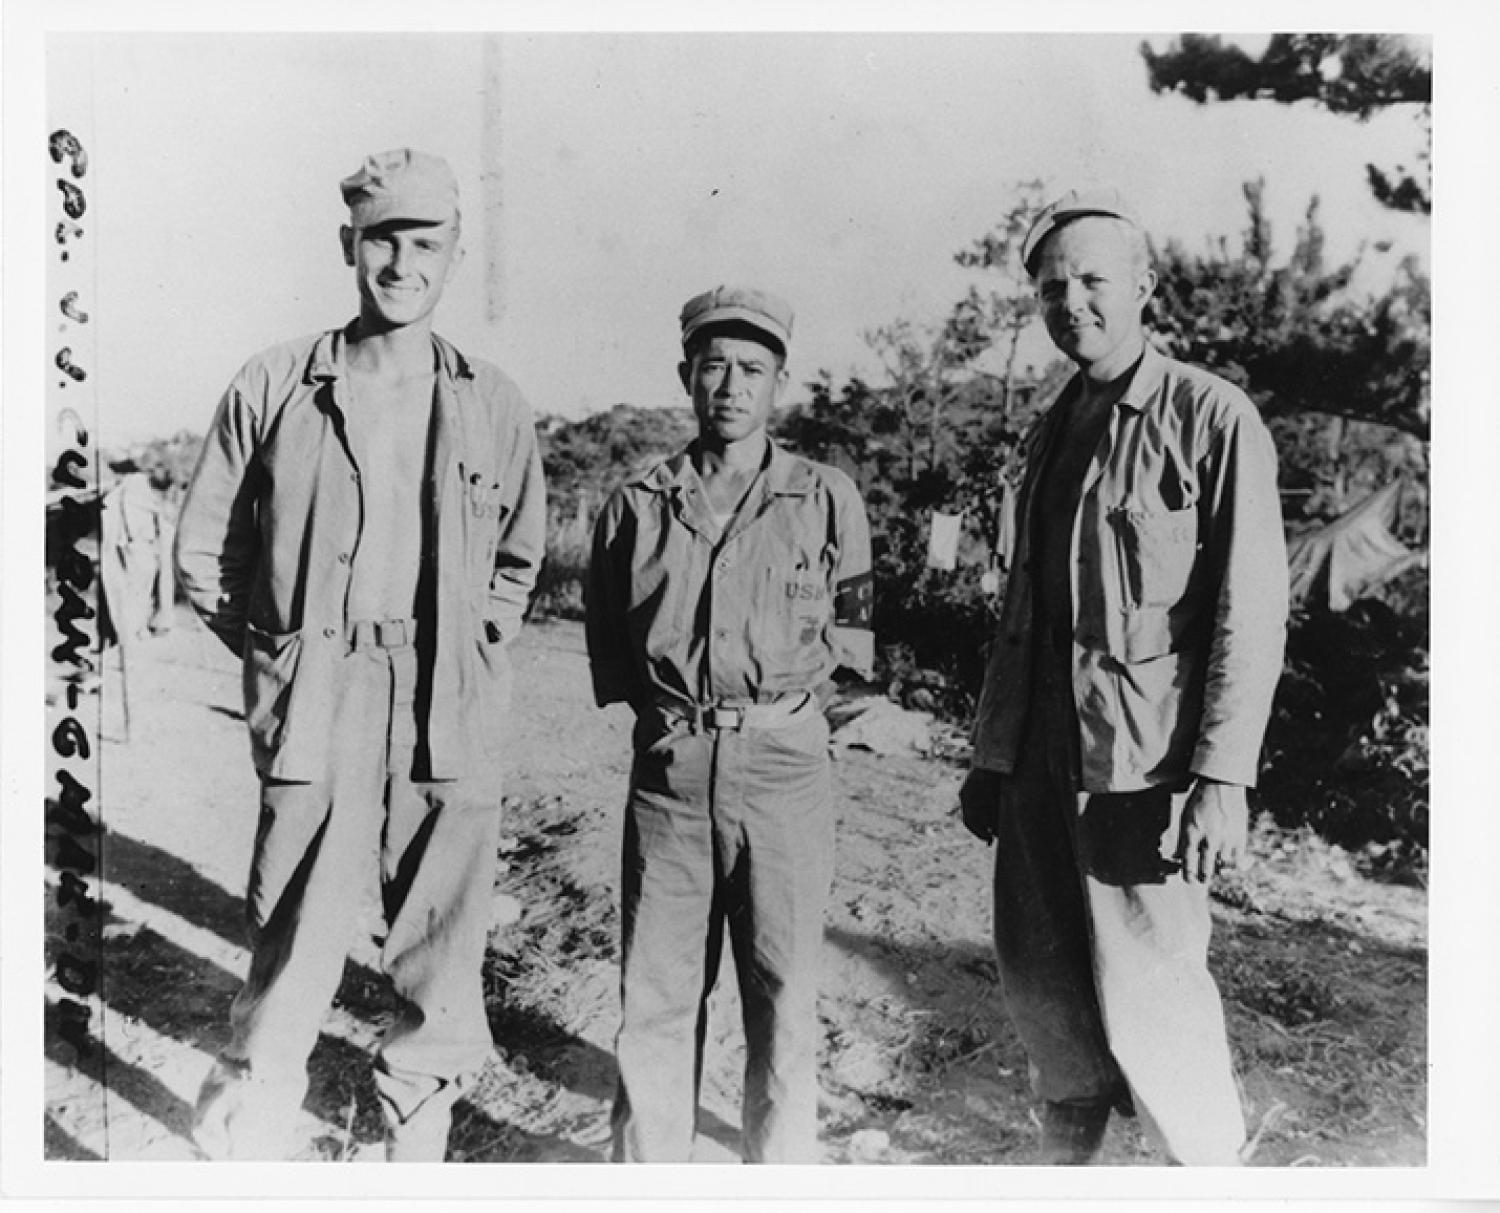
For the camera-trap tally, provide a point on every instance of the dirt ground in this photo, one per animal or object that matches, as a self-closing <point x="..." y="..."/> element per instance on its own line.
<point x="1324" y="973"/>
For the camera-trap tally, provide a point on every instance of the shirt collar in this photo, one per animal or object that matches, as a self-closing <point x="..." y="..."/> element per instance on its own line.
<point x="785" y="474"/>
<point x="1144" y="387"/>
<point x="329" y="352"/>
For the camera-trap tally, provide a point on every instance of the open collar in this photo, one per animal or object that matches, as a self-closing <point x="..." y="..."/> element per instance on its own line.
<point x="1144" y="388"/>
<point x="785" y="475"/>
<point x="329" y="357"/>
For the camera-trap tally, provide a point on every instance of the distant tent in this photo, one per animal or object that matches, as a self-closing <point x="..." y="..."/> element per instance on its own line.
<point x="1352" y="555"/>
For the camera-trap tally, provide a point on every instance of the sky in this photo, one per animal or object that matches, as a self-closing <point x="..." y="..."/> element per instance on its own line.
<point x="607" y="177"/>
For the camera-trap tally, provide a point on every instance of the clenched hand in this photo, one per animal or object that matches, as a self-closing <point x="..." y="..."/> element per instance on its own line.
<point x="979" y="802"/>
<point x="1214" y="829"/>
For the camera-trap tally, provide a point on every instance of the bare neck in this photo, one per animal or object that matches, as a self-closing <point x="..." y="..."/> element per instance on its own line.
<point x="392" y="354"/>
<point x="1101" y="378"/>
<point x="717" y="456"/>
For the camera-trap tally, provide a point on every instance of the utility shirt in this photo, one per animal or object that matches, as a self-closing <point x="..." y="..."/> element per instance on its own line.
<point x="679" y="613"/>
<point x="270" y="531"/>
<point x="1179" y="590"/>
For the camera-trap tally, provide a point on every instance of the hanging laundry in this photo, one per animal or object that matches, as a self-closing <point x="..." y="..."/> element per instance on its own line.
<point x="942" y="540"/>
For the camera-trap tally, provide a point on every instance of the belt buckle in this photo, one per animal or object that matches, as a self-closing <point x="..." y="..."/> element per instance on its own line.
<point x="390" y="633"/>
<point x="721" y="717"/>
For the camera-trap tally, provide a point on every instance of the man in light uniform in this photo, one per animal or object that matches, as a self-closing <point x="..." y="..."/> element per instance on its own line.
<point x="1124" y="704"/>
<point x="727" y="585"/>
<point x="364" y="529"/>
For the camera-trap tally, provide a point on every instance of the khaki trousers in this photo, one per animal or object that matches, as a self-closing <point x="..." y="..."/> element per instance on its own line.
<point x="723" y="829"/>
<point x="321" y="852"/>
<point x="1103" y="947"/>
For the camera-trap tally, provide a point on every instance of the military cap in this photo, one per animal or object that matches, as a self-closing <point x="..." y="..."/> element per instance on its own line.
<point x="401" y="184"/>
<point x="761" y="310"/>
<point x="1075" y="204"/>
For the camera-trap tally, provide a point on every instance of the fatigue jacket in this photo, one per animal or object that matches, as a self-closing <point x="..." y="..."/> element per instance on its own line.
<point x="677" y="613"/>
<point x="1179" y="590"/>
<point x="270" y="531"/>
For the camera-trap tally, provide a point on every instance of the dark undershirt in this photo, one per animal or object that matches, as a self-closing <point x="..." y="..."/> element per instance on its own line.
<point x="1058" y="490"/>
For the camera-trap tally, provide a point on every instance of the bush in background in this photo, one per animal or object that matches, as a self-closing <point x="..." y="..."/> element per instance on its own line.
<point x="1347" y="748"/>
<point x="584" y="462"/>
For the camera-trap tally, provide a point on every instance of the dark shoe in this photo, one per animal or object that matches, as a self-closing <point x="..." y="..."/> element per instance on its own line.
<point x="1073" y="1131"/>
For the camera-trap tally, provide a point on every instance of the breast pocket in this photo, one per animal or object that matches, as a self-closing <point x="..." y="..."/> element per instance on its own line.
<point x="484" y="510"/>
<point x="1158" y="550"/>
<point x="798" y="608"/>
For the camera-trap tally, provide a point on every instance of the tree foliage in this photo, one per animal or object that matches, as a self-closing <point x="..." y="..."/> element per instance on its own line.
<point x="938" y="432"/>
<point x="584" y="460"/>
<point x="1294" y="334"/>
<point x="1354" y="74"/>
<point x="910" y="460"/>
<point x="999" y="317"/>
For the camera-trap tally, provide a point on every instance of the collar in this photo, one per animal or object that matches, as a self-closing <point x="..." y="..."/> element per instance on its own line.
<point x="329" y="354"/>
<point x="785" y="474"/>
<point x="1144" y="388"/>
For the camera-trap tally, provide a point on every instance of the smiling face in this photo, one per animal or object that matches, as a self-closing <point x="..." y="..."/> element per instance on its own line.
<point x="735" y="383"/>
<point x="401" y="269"/>
<point x="1093" y="282"/>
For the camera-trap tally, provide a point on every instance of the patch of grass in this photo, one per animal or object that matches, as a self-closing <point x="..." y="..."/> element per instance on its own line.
<point x="1295" y="999"/>
<point x="1332" y="1034"/>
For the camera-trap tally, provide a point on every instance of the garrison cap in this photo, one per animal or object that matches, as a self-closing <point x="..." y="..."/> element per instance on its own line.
<point x="761" y="310"/>
<point x="1075" y="204"/>
<point x="401" y="184"/>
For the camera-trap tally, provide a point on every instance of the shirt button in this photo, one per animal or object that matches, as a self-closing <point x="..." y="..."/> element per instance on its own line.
<point x="721" y="633"/>
<point x="343" y="557"/>
<point x="330" y="633"/>
<point x="353" y="477"/>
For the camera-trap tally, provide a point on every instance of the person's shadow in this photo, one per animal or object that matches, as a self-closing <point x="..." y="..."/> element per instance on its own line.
<point x="183" y="997"/>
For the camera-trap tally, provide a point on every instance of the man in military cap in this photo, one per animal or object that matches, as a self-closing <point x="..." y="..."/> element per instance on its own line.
<point x="727" y="586"/>
<point x="1124" y="704"/>
<point x="363" y="531"/>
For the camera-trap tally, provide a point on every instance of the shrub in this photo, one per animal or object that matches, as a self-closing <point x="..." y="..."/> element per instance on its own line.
<point x="1347" y="746"/>
<point x="560" y="582"/>
<point x="584" y="462"/>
